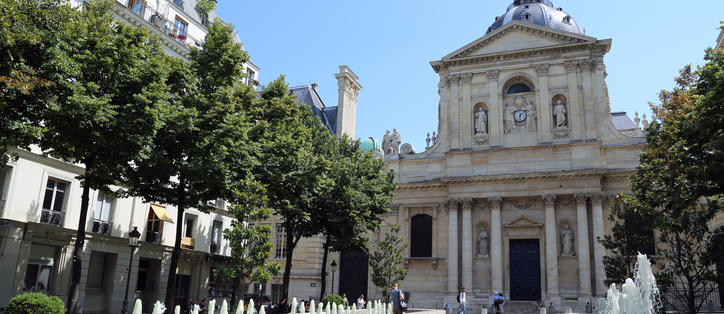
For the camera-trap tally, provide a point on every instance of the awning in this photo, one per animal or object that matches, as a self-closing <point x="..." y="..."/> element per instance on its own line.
<point x="161" y="213"/>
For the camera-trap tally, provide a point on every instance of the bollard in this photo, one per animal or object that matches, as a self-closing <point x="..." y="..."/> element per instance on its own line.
<point x="542" y="310"/>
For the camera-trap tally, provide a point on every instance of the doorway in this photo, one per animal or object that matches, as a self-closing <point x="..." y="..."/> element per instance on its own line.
<point x="353" y="268"/>
<point x="525" y="270"/>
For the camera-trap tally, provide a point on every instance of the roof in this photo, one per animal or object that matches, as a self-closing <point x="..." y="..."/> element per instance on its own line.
<point x="621" y="121"/>
<point x="539" y="12"/>
<point x="307" y="94"/>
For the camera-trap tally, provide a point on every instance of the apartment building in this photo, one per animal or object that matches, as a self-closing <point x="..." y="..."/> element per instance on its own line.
<point x="40" y="199"/>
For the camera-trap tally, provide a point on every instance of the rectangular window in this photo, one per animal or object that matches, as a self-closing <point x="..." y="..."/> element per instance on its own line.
<point x="154" y="227"/>
<point x="250" y="78"/>
<point x="179" y="3"/>
<point x="216" y="233"/>
<point x="189" y="224"/>
<point x="103" y="213"/>
<point x="54" y="202"/>
<point x="4" y="178"/>
<point x="96" y="270"/>
<point x="180" y="27"/>
<point x="281" y="242"/>
<point x="39" y="272"/>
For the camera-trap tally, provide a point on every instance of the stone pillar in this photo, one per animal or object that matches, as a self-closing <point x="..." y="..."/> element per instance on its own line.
<point x="496" y="244"/>
<point x="467" y="241"/>
<point x="584" y="262"/>
<point x="574" y="102"/>
<point x="454" y="111"/>
<point x="553" y="295"/>
<point x="545" y="124"/>
<point x="452" y="247"/>
<point x="598" y="249"/>
<point x="466" y="111"/>
<point x="495" y="112"/>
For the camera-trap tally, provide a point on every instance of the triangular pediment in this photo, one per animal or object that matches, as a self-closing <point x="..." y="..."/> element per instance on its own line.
<point x="518" y="36"/>
<point x="523" y="221"/>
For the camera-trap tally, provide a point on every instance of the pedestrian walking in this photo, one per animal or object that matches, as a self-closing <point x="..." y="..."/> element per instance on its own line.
<point x="462" y="302"/>
<point x="396" y="297"/>
<point x="501" y="300"/>
<point x="496" y="301"/>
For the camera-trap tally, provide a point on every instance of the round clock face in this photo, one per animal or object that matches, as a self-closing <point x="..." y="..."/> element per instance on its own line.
<point x="520" y="116"/>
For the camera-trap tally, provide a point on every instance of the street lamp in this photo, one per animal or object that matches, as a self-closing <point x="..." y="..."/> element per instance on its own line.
<point x="133" y="237"/>
<point x="334" y="269"/>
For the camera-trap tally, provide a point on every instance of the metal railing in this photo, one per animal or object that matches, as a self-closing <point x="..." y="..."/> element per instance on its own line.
<point x="153" y="237"/>
<point x="164" y="25"/>
<point x="100" y="226"/>
<point x="710" y="302"/>
<point x="51" y="217"/>
<point x="214" y="248"/>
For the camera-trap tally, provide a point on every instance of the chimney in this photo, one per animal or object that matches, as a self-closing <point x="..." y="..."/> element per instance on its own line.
<point x="348" y="89"/>
<point x="314" y="86"/>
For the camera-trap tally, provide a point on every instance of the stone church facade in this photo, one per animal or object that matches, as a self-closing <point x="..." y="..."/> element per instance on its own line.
<point x="511" y="196"/>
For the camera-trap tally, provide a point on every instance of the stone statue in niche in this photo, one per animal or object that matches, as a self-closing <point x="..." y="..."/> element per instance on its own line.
<point x="520" y="117"/>
<point x="482" y="242"/>
<point x="481" y="122"/>
<point x="567" y="241"/>
<point x="559" y="112"/>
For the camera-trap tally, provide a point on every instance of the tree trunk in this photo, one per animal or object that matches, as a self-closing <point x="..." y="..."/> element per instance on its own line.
<point x="288" y="264"/>
<point x="171" y="284"/>
<point x="324" y="269"/>
<point x="79" y="243"/>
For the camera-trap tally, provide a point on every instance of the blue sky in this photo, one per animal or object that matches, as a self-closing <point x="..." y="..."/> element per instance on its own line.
<point x="389" y="45"/>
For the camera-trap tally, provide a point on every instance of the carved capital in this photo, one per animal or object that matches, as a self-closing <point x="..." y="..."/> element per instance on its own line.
<point x="541" y="69"/>
<point x="466" y="78"/>
<point x="454" y="80"/>
<point x="493" y="74"/>
<point x="596" y="198"/>
<point x="549" y="200"/>
<point x="452" y="204"/>
<point x="467" y="203"/>
<point x="495" y="202"/>
<point x="580" y="198"/>
<point x="444" y="83"/>
<point x="571" y="65"/>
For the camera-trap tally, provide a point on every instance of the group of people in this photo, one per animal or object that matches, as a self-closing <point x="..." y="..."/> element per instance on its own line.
<point x="498" y="301"/>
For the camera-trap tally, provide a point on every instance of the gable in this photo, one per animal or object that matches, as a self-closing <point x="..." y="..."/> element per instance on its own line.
<point x="523" y="221"/>
<point x="517" y="36"/>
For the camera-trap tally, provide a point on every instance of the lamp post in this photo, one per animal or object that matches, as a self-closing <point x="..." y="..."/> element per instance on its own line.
<point x="334" y="269"/>
<point x="133" y="237"/>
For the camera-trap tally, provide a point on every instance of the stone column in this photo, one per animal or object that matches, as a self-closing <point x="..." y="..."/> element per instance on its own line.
<point x="584" y="262"/>
<point x="452" y="246"/>
<point x="454" y="111"/>
<point x="574" y="102"/>
<point x="544" y="118"/>
<point x="466" y="111"/>
<point x="495" y="112"/>
<point x="496" y="244"/>
<point x="467" y="242"/>
<point x="553" y="296"/>
<point x="598" y="249"/>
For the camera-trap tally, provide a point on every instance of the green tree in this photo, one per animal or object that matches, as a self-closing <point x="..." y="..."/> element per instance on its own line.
<point x="108" y="116"/>
<point x="351" y="209"/>
<point x="632" y="232"/>
<point x="34" y="39"/>
<point x="291" y="164"/>
<point x="676" y="183"/>
<point x="387" y="261"/>
<point x="189" y="163"/>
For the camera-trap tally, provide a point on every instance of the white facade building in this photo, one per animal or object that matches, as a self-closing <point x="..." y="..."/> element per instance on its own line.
<point x="40" y="201"/>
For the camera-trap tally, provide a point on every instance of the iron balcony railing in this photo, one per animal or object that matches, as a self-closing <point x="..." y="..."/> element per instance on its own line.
<point x="153" y="237"/>
<point x="51" y="217"/>
<point x="161" y="23"/>
<point x="100" y="226"/>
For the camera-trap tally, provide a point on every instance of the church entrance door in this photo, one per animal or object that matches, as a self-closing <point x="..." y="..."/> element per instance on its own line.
<point x="353" y="275"/>
<point x="525" y="270"/>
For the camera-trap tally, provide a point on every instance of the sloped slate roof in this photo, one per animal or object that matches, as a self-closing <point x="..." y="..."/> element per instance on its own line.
<point x="621" y="121"/>
<point x="308" y="95"/>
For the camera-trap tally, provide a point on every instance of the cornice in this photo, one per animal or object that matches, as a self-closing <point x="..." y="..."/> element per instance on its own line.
<point x="525" y="176"/>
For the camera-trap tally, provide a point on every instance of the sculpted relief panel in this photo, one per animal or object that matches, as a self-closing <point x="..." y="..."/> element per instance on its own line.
<point x="520" y="116"/>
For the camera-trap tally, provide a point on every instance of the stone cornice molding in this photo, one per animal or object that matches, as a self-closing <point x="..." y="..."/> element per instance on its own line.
<point x="541" y="69"/>
<point x="549" y="200"/>
<point x="524" y="176"/>
<point x="560" y="36"/>
<point x="421" y="186"/>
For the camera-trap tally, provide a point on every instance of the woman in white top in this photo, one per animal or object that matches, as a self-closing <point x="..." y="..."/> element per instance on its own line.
<point x="361" y="302"/>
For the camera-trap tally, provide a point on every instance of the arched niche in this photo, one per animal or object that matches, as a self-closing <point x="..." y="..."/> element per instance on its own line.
<point x="560" y="111"/>
<point x="480" y="118"/>
<point x="518" y="85"/>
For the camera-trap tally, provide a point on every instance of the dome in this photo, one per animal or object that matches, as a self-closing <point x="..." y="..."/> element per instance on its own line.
<point x="370" y="144"/>
<point x="539" y="12"/>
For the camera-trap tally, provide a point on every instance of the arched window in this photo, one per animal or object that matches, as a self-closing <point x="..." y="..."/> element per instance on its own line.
<point x="519" y="88"/>
<point x="421" y="236"/>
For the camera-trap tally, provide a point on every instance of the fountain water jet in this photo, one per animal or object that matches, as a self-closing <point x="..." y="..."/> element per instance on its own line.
<point x="637" y="296"/>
